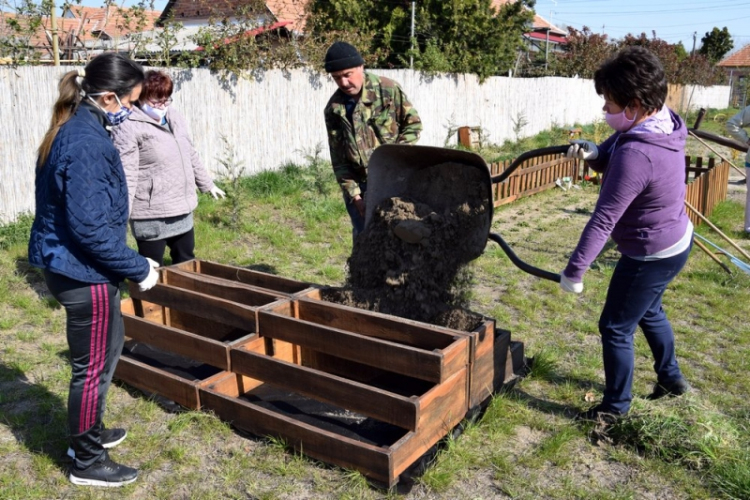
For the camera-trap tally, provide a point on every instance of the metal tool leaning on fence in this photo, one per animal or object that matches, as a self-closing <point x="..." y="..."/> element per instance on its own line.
<point x="735" y="127"/>
<point x="641" y="205"/>
<point x="79" y="239"/>
<point x="365" y="112"/>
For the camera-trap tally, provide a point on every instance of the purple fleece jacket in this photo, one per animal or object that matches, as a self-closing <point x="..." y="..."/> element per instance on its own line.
<point x="641" y="203"/>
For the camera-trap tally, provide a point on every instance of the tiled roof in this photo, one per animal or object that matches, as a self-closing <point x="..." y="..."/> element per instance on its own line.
<point x="293" y="11"/>
<point x="87" y="23"/>
<point x="112" y="21"/>
<point x="192" y="9"/>
<point x="739" y="59"/>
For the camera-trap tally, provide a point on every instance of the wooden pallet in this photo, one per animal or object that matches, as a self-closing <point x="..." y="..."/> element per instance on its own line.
<point x="350" y="387"/>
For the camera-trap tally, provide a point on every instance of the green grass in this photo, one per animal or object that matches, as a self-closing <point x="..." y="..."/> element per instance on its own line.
<point x="525" y="445"/>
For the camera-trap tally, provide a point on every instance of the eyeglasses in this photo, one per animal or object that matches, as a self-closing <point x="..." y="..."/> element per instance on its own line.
<point x="160" y="104"/>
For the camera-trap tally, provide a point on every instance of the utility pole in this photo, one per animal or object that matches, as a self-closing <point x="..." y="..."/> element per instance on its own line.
<point x="411" y="56"/>
<point x="546" y="48"/>
<point x="695" y="34"/>
<point x="55" y="45"/>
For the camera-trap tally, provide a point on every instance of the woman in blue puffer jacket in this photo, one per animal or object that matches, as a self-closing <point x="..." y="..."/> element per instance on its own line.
<point x="79" y="239"/>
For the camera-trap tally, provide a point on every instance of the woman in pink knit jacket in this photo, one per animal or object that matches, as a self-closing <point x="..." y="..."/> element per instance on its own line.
<point x="163" y="170"/>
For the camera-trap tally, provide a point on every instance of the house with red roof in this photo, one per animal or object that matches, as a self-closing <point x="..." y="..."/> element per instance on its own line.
<point x="737" y="67"/>
<point x="283" y="17"/>
<point x="542" y="35"/>
<point x="82" y="32"/>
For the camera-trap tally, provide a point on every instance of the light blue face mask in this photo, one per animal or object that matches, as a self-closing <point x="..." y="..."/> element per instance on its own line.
<point x="117" y="117"/>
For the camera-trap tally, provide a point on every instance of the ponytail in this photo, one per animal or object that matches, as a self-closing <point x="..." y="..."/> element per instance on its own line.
<point x="65" y="107"/>
<point x="107" y="72"/>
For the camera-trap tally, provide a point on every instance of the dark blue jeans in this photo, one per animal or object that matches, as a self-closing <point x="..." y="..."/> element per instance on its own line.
<point x="634" y="299"/>
<point x="358" y="222"/>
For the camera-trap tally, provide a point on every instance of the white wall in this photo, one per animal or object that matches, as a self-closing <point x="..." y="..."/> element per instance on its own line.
<point x="277" y="116"/>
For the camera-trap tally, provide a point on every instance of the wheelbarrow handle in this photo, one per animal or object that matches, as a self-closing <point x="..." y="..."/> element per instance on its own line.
<point x="552" y="150"/>
<point x="523" y="266"/>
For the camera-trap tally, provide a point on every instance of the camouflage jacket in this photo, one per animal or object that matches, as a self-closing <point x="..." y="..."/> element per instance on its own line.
<point x="382" y="115"/>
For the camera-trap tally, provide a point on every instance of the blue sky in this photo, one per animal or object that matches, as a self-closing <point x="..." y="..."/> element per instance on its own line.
<point x="674" y="20"/>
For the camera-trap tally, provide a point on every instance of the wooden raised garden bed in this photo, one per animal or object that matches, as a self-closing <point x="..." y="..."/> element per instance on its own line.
<point x="350" y="387"/>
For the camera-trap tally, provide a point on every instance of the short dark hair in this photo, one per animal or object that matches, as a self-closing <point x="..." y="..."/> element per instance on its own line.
<point x="157" y="86"/>
<point x="633" y="73"/>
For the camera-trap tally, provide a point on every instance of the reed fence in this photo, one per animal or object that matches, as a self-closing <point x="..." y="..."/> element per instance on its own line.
<point x="276" y="117"/>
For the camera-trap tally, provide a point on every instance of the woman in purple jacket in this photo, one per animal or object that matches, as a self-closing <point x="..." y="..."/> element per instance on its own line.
<point x="641" y="206"/>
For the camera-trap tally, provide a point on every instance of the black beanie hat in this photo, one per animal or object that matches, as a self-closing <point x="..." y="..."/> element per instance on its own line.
<point x="342" y="55"/>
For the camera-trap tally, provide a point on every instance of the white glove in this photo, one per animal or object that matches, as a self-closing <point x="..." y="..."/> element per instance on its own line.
<point x="152" y="263"/>
<point x="583" y="150"/>
<point x="150" y="281"/>
<point x="570" y="286"/>
<point x="217" y="193"/>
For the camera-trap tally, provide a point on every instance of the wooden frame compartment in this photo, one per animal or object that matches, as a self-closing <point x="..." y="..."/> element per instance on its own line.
<point x="377" y="340"/>
<point x="171" y="354"/>
<point x="250" y="278"/>
<point x="231" y="398"/>
<point x="488" y="346"/>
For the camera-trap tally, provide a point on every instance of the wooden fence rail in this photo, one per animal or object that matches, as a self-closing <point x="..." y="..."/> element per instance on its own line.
<point x="534" y="176"/>
<point x="707" y="187"/>
<point x="706" y="184"/>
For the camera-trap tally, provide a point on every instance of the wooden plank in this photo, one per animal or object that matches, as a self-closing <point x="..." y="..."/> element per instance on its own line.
<point x="207" y="328"/>
<point x="341" y="367"/>
<point x="170" y="339"/>
<point x="516" y="362"/>
<point x="375" y="324"/>
<point x="396" y="358"/>
<point x="361" y="398"/>
<point x="372" y="461"/>
<point x="217" y="287"/>
<point x="447" y="407"/>
<point x="141" y="308"/>
<point x="250" y="277"/>
<point x="190" y="266"/>
<point x="230" y="384"/>
<point x="154" y="380"/>
<point x="204" y="306"/>
<point x="487" y="370"/>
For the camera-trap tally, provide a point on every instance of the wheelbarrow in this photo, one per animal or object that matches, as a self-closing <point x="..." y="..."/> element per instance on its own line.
<point x="391" y="166"/>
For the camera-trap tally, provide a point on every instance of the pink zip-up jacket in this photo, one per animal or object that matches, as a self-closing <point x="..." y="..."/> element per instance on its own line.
<point x="162" y="167"/>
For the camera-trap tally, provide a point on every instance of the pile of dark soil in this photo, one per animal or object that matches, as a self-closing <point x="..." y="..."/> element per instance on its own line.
<point x="410" y="260"/>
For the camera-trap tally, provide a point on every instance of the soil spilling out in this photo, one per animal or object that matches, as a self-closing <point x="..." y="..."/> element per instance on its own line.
<point x="410" y="260"/>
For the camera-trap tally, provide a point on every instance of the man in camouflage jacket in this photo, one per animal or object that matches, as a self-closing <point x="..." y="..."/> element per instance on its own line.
<point x="365" y="112"/>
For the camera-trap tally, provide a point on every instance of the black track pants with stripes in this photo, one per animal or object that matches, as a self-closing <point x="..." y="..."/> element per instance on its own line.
<point x="95" y="337"/>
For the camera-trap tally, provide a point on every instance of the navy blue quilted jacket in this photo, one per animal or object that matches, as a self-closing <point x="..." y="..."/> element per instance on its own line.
<point x="80" y="226"/>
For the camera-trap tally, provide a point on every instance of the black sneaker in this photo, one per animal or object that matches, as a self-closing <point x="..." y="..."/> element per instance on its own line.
<point x="676" y="388"/>
<point x="103" y="472"/>
<point x="109" y="438"/>
<point x="599" y="414"/>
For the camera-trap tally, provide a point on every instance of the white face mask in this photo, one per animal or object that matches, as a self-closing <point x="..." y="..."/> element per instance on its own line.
<point x="155" y="113"/>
